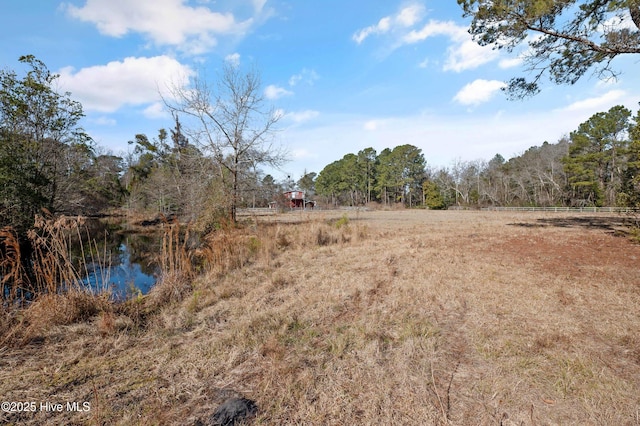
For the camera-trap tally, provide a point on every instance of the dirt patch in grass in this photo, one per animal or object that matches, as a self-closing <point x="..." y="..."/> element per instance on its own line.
<point x="400" y="317"/>
<point x="586" y="254"/>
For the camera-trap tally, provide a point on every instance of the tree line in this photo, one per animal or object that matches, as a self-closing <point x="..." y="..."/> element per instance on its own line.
<point x="47" y="161"/>
<point x="50" y="165"/>
<point x="205" y="172"/>
<point x="170" y="175"/>
<point x="392" y="176"/>
<point x="598" y="164"/>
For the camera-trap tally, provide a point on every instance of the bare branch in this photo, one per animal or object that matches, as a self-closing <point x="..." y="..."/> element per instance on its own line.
<point x="232" y="124"/>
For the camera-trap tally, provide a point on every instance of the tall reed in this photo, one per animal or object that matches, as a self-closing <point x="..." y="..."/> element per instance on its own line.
<point x="175" y="258"/>
<point x="51" y="266"/>
<point x="42" y="282"/>
<point x="12" y="272"/>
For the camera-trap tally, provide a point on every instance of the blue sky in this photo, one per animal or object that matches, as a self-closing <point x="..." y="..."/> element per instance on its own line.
<point x="345" y="75"/>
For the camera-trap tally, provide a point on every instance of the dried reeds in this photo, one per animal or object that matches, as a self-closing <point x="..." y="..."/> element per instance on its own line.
<point x="47" y="280"/>
<point x="175" y="258"/>
<point x="54" y="267"/>
<point x="12" y="272"/>
<point x="49" y="267"/>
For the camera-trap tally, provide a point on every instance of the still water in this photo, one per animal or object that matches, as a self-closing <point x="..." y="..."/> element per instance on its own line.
<point x="123" y="261"/>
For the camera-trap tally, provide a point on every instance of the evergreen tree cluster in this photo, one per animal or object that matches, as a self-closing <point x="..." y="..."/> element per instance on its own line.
<point x="598" y="164"/>
<point x="393" y="176"/>
<point x="47" y="161"/>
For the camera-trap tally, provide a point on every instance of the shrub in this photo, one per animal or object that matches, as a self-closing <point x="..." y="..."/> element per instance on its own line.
<point x="343" y="221"/>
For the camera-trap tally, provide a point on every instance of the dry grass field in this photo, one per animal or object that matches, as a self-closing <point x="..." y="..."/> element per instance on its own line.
<point x="396" y="317"/>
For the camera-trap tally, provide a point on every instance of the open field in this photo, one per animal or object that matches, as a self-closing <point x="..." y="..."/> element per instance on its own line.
<point x="398" y="317"/>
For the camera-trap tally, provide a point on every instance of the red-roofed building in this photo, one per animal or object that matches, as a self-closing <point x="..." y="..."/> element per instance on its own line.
<point x="296" y="200"/>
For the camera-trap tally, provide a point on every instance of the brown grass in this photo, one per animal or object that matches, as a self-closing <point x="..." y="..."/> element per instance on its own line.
<point x="11" y="269"/>
<point x="53" y="269"/>
<point x="56" y="292"/>
<point x="410" y="317"/>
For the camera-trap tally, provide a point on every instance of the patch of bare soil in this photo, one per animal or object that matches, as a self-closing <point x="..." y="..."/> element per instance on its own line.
<point x="580" y="253"/>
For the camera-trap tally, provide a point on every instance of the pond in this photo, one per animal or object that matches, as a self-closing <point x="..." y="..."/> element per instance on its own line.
<point x="123" y="260"/>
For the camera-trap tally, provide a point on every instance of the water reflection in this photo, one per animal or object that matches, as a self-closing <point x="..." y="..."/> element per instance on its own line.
<point x="121" y="259"/>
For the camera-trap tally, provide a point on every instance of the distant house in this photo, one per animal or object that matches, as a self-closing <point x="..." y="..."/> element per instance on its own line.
<point x="296" y="200"/>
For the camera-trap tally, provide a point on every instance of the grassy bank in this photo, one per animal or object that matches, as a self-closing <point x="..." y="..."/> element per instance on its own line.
<point x="411" y="317"/>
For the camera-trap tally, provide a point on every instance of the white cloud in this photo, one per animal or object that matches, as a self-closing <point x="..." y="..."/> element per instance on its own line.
<point x="511" y="62"/>
<point x="478" y="91"/>
<point x="381" y="27"/>
<point x="259" y="5"/>
<point x="617" y="23"/>
<point x="468" y="55"/>
<point x="523" y="52"/>
<point x="233" y="59"/>
<point x="371" y="125"/>
<point x="301" y="116"/>
<point x="425" y="63"/>
<point x="410" y="15"/>
<point x="134" y="81"/>
<point x="165" y="22"/>
<point x="306" y="76"/>
<point x="405" y="18"/>
<point x="463" y="53"/>
<point x="273" y="92"/>
<point x="103" y="121"/>
<point x="598" y="103"/>
<point x="435" y="28"/>
<point x="156" y="110"/>
<point x="278" y="113"/>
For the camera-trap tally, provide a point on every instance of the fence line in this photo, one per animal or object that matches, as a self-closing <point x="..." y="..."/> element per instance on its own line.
<point x="263" y="211"/>
<point x="566" y="209"/>
<point x="258" y="211"/>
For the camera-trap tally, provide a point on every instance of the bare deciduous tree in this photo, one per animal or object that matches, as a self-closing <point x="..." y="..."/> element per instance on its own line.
<point x="232" y="123"/>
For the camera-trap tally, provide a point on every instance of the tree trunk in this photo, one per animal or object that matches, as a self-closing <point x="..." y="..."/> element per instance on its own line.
<point x="634" y="10"/>
<point x="234" y="195"/>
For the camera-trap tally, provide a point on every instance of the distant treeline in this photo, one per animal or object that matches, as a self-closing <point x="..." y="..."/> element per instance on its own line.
<point x="596" y="165"/>
<point x="49" y="163"/>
